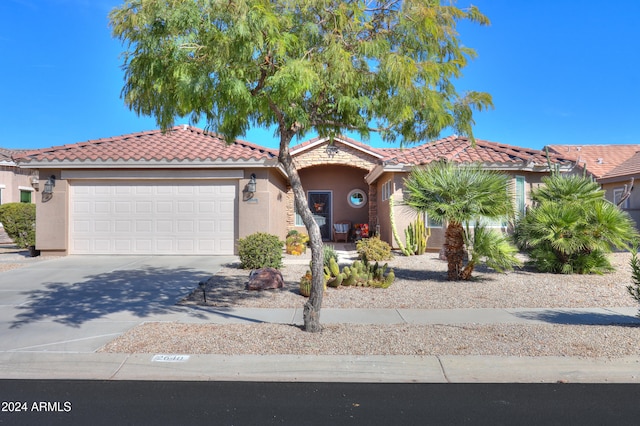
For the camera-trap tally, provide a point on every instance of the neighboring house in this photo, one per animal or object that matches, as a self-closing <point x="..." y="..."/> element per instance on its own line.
<point x="187" y="192"/>
<point x="613" y="167"/>
<point x="16" y="184"/>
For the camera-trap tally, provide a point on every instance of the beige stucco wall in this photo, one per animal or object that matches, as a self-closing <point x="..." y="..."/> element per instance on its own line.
<point x="633" y="202"/>
<point x="52" y="216"/>
<point x="404" y="215"/>
<point x="266" y="210"/>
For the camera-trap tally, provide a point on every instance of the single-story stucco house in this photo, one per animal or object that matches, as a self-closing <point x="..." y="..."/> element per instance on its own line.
<point x="615" y="167"/>
<point x="188" y="192"/>
<point x="16" y="184"/>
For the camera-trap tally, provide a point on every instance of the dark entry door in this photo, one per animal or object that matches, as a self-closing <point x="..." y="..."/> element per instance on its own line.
<point x="320" y="205"/>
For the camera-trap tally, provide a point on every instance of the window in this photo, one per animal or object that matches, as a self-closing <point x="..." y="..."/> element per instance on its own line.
<point x="431" y="223"/>
<point x="488" y="223"/>
<point x="386" y="190"/>
<point x="357" y="198"/>
<point x="617" y="196"/>
<point x="25" y="196"/>
<point x="520" y="196"/>
<point x="299" y="221"/>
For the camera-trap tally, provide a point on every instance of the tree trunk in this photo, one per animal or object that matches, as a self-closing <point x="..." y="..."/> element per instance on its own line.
<point x="454" y="250"/>
<point x="311" y="312"/>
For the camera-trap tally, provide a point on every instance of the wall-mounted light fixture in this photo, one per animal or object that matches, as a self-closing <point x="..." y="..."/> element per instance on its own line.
<point x="251" y="186"/>
<point x="49" y="184"/>
<point x="35" y="182"/>
<point x="331" y="149"/>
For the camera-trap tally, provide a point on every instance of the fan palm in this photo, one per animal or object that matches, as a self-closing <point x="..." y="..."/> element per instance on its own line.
<point x="459" y="195"/>
<point x="572" y="227"/>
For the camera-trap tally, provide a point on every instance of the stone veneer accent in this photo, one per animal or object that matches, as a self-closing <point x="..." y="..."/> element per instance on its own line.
<point x="346" y="155"/>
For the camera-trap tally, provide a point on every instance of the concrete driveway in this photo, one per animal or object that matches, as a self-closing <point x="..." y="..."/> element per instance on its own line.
<point x="79" y="303"/>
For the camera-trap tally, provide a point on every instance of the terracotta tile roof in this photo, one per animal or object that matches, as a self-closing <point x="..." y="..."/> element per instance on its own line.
<point x="629" y="168"/>
<point x="460" y="149"/>
<point x="181" y="144"/>
<point x="6" y="155"/>
<point x="599" y="159"/>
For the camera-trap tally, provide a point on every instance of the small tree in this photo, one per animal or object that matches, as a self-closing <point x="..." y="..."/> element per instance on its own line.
<point x="299" y="66"/>
<point x="571" y="227"/>
<point x="460" y="195"/>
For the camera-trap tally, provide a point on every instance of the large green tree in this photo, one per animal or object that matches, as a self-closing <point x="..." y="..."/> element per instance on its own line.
<point x="299" y="66"/>
<point x="463" y="196"/>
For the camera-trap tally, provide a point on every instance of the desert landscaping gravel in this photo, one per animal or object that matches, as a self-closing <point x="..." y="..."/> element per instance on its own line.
<point x="420" y="284"/>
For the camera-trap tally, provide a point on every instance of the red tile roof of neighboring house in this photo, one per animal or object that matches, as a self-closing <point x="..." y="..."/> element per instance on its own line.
<point x="180" y="144"/>
<point x="629" y="168"/>
<point x="461" y="149"/>
<point x="6" y="155"/>
<point x="598" y="159"/>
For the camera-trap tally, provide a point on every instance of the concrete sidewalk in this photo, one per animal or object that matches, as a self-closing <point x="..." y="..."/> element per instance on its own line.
<point x="56" y="313"/>
<point x="75" y="358"/>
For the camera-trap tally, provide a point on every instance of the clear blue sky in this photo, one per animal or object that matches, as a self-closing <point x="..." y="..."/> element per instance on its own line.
<point x="560" y="72"/>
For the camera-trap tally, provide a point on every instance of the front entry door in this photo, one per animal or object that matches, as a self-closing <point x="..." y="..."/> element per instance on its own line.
<point x="320" y="205"/>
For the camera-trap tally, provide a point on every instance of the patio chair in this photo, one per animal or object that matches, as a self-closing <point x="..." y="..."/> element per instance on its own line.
<point x="341" y="230"/>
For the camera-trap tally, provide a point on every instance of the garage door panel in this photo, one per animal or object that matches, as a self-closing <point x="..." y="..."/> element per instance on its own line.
<point x="185" y="226"/>
<point x="155" y="217"/>
<point x="144" y="226"/>
<point x="100" y="226"/>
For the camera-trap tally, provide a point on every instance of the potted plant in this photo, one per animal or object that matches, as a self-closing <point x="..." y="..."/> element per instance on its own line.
<point x="296" y="242"/>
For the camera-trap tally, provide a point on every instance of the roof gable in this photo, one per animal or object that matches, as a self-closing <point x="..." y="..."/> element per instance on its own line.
<point x="377" y="153"/>
<point x="627" y="169"/>
<point x="597" y="159"/>
<point x="181" y="144"/>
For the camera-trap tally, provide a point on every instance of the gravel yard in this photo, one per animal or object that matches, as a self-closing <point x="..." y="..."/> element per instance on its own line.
<point x="421" y="284"/>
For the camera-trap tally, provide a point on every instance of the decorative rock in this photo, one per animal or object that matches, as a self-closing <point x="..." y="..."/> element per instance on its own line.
<point x="265" y="279"/>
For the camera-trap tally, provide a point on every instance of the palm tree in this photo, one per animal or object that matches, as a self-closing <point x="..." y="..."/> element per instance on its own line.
<point x="459" y="195"/>
<point x="572" y="227"/>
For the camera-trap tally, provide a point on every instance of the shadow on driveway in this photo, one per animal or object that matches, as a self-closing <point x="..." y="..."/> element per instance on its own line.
<point x="575" y="317"/>
<point x="141" y="292"/>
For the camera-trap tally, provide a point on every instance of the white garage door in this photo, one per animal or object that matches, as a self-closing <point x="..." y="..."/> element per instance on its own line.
<point x="152" y="217"/>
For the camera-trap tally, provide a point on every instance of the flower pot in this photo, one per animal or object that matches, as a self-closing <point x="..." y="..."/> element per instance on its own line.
<point x="296" y="249"/>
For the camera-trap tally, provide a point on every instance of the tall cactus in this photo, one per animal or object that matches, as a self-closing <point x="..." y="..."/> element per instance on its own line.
<point x="417" y="236"/>
<point x="396" y="237"/>
<point x="421" y="235"/>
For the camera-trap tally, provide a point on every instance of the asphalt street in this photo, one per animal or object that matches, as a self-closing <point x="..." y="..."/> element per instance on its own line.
<point x="257" y="403"/>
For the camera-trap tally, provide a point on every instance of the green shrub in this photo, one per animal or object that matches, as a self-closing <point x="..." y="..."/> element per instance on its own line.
<point x="260" y="250"/>
<point x="374" y="249"/>
<point x="634" y="288"/>
<point x="19" y="220"/>
<point x="571" y="227"/>
<point x="329" y="253"/>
